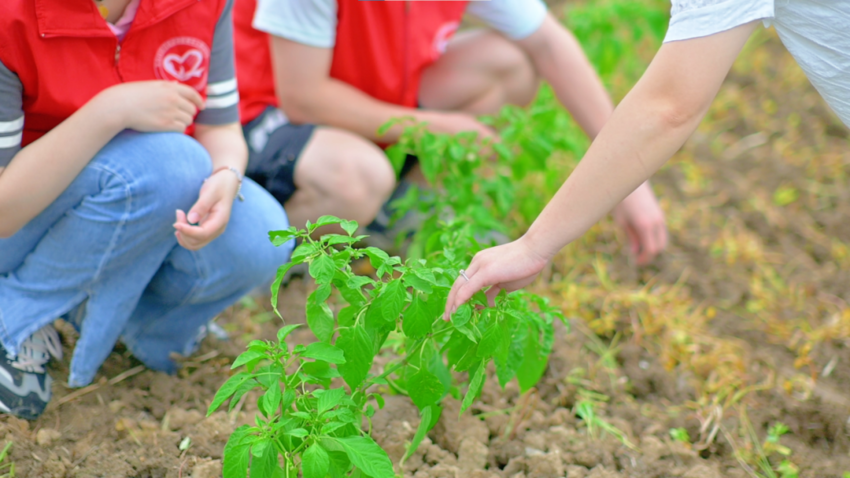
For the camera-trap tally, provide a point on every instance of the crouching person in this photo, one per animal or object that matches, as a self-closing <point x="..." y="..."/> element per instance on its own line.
<point x="121" y="190"/>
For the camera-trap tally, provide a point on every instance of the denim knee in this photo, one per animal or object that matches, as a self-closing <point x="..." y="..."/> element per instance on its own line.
<point x="163" y="171"/>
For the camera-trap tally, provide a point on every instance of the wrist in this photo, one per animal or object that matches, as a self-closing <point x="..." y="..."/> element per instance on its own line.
<point x="109" y="111"/>
<point x="539" y="243"/>
<point x="234" y="178"/>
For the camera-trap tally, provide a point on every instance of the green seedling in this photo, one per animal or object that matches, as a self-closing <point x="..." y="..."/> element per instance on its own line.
<point x="680" y="435"/>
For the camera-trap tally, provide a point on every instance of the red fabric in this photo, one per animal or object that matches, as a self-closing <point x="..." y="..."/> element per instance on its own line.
<point x="381" y="48"/>
<point x="64" y="52"/>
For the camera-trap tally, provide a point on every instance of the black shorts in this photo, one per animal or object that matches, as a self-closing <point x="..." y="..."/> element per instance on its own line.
<point x="274" y="148"/>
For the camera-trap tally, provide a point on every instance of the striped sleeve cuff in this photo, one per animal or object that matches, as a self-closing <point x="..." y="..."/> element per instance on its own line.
<point x="222" y="106"/>
<point x="11" y="133"/>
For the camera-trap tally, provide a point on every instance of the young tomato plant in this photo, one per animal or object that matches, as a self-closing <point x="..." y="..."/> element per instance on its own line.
<point x="308" y="419"/>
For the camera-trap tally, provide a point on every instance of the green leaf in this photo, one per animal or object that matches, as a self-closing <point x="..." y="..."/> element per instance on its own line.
<point x="376" y="256"/>
<point x="265" y="466"/>
<point x="237" y="453"/>
<point x="280" y="238"/>
<point x="425" y="388"/>
<point x="322" y="268"/>
<point x="421" y="431"/>
<point x="367" y="456"/>
<point x="533" y="363"/>
<point x="475" y="386"/>
<point x="320" y="318"/>
<point x="275" y="289"/>
<point x="506" y="367"/>
<point x="411" y="280"/>
<point x="462" y="315"/>
<point x="393" y="297"/>
<point x="304" y="251"/>
<point x="417" y="321"/>
<point x="324" y="221"/>
<point x="226" y="390"/>
<point x="271" y="399"/>
<point x="328" y="399"/>
<point x="315" y="462"/>
<point x="349" y="226"/>
<point x="284" y="332"/>
<point x="492" y="342"/>
<point x="246" y="357"/>
<point x="298" y="432"/>
<point x="359" y="353"/>
<point x="324" y="351"/>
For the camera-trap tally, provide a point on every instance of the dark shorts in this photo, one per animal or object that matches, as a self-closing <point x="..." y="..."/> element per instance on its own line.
<point x="274" y="148"/>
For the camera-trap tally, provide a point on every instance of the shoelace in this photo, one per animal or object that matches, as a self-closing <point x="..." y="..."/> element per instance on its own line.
<point x="37" y="350"/>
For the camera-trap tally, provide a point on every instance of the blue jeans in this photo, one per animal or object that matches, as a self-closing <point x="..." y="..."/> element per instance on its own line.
<point x="106" y="249"/>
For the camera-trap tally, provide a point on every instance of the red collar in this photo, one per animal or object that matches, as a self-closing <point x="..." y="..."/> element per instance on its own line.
<point x="80" y="18"/>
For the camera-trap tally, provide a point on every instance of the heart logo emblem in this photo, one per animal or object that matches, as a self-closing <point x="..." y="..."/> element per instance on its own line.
<point x="183" y="59"/>
<point x="184" y="67"/>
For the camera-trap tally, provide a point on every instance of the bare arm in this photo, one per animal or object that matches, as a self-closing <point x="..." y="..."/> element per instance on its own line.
<point x="646" y="129"/>
<point x="40" y="172"/>
<point x="308" y="94"/>
<point x="558" y="57"/>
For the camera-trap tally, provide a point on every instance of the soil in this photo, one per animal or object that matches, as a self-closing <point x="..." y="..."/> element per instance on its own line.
<point x="134" y="427"/>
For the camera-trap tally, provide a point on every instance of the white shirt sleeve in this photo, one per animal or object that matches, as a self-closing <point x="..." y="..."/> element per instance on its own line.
<point x="311" y="22"/>
<point x="516" y="19"/>
<point x="700" y="18"/>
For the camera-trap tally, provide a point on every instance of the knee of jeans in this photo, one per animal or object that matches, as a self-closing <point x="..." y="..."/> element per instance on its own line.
<point x="168" y="169"/>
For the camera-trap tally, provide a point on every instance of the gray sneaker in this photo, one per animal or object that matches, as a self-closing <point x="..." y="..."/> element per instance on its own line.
<point x="25" y="387"/>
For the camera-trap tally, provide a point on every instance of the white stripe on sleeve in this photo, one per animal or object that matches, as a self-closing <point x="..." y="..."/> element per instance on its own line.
<point x="11" y="141"/>
<point x="12" y="126"/>
<point x="221" y="87"/>
<point x="223" y="101"/>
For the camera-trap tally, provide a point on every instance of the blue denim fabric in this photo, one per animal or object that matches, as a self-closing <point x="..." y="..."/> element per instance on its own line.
<point x="106" y="247"/>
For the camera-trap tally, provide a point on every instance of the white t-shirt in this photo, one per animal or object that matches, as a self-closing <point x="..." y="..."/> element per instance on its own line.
<point x="313" y="22"/>
<point x="815" y="32"/>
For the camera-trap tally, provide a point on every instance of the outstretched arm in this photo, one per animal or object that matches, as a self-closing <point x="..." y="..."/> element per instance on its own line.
<point x="647" y="128"/>
<point x="559" y="58"/>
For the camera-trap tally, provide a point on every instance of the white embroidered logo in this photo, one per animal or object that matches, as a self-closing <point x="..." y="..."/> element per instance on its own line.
<point x="183" y="59"/>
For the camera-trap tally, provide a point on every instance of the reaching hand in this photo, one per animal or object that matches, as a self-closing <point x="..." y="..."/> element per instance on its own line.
<point x="153" y="106"/>
<point x="510" y="267"/>
<point x="209" y="216"/>
<point x="643" y="220"/>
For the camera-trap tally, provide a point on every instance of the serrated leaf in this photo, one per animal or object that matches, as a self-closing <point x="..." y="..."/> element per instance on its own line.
<point x="417" y="321"/>
<point x="279" y="238"/>
<point x="265" y="466"/>
<point x="349" y="226"/>
<point x="322" y="268"/>
<point x="315" y="462"/>
<point x="271" y="399"/>
<point x="425" y="388"/>
<point x="393" y="298"/>
<point x="492" y="341"/>
<point x="366" y="455"/>
<point x="475" y="386"/>
<point x="237" y="453"/>
<point x="411" y="280"/>
<point x="278" y="280"/>
<point x="422" y="430"/>
<point x="324" y="351"/>
<point x="359" y="353"/>
<point x="533" y="363"/>
<point x="376" y="256"/>
<point x="328" y="399"/>
<point x="331" y="427"/>
<point x="284" y="332"/>
<point x="246" y="357"/>
<point x="320" y="318"/>
<point x="462" y="315"/>
<point x="227" y="389"/>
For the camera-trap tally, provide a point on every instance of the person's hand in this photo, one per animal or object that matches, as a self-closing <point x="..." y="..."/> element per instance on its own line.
<point x="209" y="216"/>
<point x="510" y="267"/>
<point x="643" y="220"/>
<point x="454" y="123"/>
<point x="152" y="106"/>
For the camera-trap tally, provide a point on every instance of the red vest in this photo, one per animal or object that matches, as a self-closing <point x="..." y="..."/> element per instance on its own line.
<point x="381" y="48"/>
<point x="64" y="53"/>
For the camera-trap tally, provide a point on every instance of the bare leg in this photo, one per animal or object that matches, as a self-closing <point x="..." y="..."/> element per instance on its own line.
<point x="480" y="72"/>
<point x="340" y="174"/>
